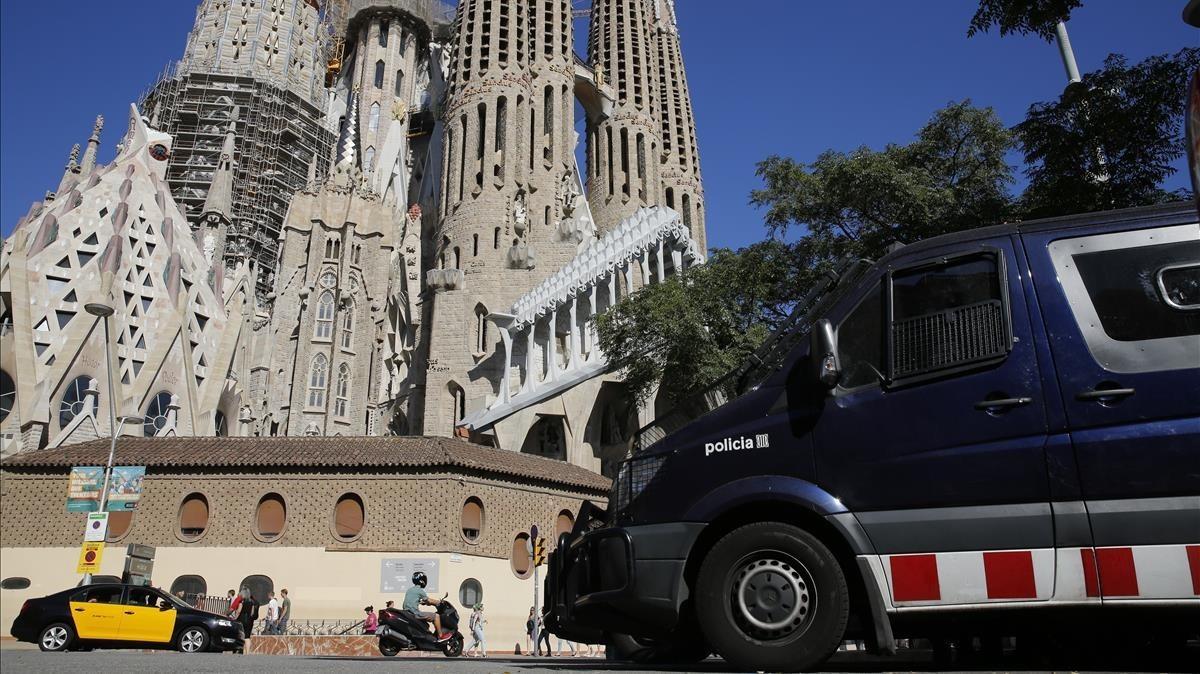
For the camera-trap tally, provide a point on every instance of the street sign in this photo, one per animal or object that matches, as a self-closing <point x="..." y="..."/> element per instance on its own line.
<point x="139" y="567"/>
<point x="97" y="527"/>
<point x="89" y="557"/>
<point x="140" y="551"/>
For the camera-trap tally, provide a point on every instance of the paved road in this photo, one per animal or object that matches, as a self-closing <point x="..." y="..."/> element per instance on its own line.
<point x="23" y="660"/>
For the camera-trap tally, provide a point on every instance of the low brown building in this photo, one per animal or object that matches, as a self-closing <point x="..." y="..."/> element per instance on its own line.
<point x="339" y="522"/>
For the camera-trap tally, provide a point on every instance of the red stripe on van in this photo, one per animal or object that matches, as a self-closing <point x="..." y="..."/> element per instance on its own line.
<point x="1118" y="575"/>
<point x="1193" y="554"/>
<point x="1091" y="582"/>
<point x="915" y="578"/>
<point x="1009" y="575"/>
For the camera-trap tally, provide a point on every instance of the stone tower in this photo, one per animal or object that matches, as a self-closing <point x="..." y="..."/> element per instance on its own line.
<point x="680" y="171"/>
<point x="623" y="150"/>
<point x="509" y="193"/>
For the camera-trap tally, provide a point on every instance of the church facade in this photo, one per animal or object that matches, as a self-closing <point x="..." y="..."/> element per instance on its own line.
<point x="421" y="254"/>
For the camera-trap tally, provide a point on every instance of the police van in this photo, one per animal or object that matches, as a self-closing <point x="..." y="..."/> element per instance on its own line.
<point x="983" y="431"/>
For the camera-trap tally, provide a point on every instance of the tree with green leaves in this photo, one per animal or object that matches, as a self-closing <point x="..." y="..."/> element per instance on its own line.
<point x="688" y="331"/>
<point x="1022" y="17"/>
<point x="1108" y="141"/>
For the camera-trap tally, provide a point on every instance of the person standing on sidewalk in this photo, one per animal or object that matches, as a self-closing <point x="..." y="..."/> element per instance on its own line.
<point x="285" y="612"/>
<point x="543" y="635"/>
<point x="272" y="614"/>
<point x="371" y="622"/>
<point x="476" y="624"/>
<point x="529" y="633"/>
<point x="247" y="613"/>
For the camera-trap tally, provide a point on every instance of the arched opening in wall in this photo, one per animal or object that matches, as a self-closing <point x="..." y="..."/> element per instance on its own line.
<point x="373" y="118"/>
<point x="157" y="412"/>
<point x="260" y="586"/>
<point x="625" y="162"/>
<point x="74" y="400"/>
<point x="547" y="438"/>
<point x="532" y="134"/>
<point x="220" y="424"/>
<point x="472" y="519"/>
<point x="563" y="524"/>
<point x="270" y="517"/>
<point x="462" y="154"/>
<point x="348" y="325"/>
<point x="610" y="425"/>
<point x="369" y="159"/>
<point x="548" y="124"/>
<point x="349" y="516"/>
<point x="496" y="239"/>
<point x="482" y="341"/>
<point x="519" y="560"/>
<point x="193" y="516"/>
<point x="609" y="140"/>
<point x="189" y="586"/>
<point x="458" y="405"/>
<point x="383" y="33"/>
<point x="470" y="593"/>
<point x="481" y="145"/>
<point x="686" y="210"/>
<point x="379" y="74"/>
<point x="547" y="218"/>
<point x="643" y="192"/>
<point x="8" y="394"/>
<point x="475" y="245"/>
<point x="323" y="326"/>
<point x="400" y="84"/>
<point x="671" y="197"/>
<point x="119" y="523"/>
<point x="501" y="132"/>
<point x="341" y="403"/>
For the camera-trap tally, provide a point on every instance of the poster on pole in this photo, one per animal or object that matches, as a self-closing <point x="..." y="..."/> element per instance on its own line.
<point x="125" y="488"/>
<point x="83" y="489"/>
<point x="97" y="527"/>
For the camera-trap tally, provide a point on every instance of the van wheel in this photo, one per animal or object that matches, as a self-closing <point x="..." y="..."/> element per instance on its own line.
<point x="772" y="597"/>
<point x="56" y="637"/>
<point x="679" y="650"/>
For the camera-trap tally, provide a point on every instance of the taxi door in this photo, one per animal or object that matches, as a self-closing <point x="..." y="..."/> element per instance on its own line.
<point x="148" y="617"/>
<point x="97" y="612"/>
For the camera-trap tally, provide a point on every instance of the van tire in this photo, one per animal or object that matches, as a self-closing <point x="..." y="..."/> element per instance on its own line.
<point x="794" y="620"/>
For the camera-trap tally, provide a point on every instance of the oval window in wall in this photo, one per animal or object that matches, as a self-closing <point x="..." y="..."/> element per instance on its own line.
<point x="521" y="564"/>
<point x="563" y="525"/>
<point x="472" y="519"/>
<point x="270" y="517"/>
<point x="470" y="593"/>
<point x="193" y="516"/>
<point x="349" y="515"/>
<point x="14" y="583"/>
<point x="118" y="524"/>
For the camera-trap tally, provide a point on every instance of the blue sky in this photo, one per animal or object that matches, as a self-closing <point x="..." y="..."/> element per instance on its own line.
<point x="788" y="77"/>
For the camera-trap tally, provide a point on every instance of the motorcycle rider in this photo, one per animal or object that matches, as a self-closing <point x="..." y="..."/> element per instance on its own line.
<point x="415" y="596"/>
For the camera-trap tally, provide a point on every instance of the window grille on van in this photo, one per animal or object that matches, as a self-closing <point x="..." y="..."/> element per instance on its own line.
<point x="949" y="338"/>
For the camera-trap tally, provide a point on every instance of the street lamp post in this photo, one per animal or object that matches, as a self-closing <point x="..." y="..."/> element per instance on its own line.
<point x="115" y="424"/>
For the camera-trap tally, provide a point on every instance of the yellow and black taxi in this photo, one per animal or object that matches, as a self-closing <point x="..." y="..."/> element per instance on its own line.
<point x="116" y="615"/>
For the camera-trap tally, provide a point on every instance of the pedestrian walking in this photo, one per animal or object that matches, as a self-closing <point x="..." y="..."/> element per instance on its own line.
<point x="285" y="612"/>
<point x="570" y="645"/>
<point x="543" y="635"/>
<point x="235" y="600"/>
<point x="529" y="633"/>
<point x="247" y="613"/>
<point x="476" y="623"/>
<point x="371" y="622"/>
<point x="272" y="614"/>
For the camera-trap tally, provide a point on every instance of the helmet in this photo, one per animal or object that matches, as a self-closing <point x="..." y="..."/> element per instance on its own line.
<point x="419" y="579"/>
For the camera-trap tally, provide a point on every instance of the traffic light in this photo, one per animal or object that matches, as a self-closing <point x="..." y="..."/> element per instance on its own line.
<point x="539" y="552"/>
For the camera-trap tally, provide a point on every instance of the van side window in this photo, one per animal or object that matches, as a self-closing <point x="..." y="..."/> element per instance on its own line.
<point x="1135" y="296"/>
<point x="860" y="343"/>
<point x="947" y="316"/>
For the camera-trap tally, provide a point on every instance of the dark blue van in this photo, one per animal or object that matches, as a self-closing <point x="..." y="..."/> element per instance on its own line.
<point x="996" y="425"/>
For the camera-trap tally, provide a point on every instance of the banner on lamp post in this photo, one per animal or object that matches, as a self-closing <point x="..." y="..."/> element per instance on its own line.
<point x="83" y="489"/>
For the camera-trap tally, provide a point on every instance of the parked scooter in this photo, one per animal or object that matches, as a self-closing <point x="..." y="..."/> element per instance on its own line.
<point x="398" y="632"/>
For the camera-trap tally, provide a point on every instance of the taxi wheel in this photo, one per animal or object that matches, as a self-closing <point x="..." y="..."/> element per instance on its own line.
<point x="56" y="637"/>
<point x="772" y="597"/>
<point x="193" y="640"/>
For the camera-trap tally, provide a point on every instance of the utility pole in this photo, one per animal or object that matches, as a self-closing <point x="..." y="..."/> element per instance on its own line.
<point x="1068" y="55"/>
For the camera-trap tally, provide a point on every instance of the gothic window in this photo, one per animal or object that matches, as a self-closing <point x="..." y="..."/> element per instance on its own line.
<point x="220" y="425"/>
<point x="481" y="329"/>
<point x="74" y="400"/>
<point x="641" y="166"/>
<point x="501" y="130"/>
<point x="548" y="123"/>
<point x="373" y="119"/>
<point x="625" y="161"/>
<point x="348" y="327"/>
<point x="480" y="144"/>
<point x="324" y="327"/>
<point x="156" y="413"/>
<point x="496" y="239"/>
<point x="687" y="211"/>
<point x="457" y="258"/>
<point x="328" y="280"/>
<point x="379" y="74"/>
<point x="458" y="401"/>
<point x="317" y="378"/>
<point x="474" y="245"/>
<point x="399" y="84"/>
<point x="342" y="404"/>
<point x="369" y="159"/>
<point x="383" y="33"/>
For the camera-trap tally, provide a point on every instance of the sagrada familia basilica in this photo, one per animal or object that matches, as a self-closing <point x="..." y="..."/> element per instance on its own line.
<point x="362" y="217"/>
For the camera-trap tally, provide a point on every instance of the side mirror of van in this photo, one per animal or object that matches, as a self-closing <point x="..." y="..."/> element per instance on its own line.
<point x="826" y="366"/>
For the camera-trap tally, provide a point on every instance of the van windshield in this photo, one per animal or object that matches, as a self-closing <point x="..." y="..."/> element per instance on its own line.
<point x="761" y="364"/>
